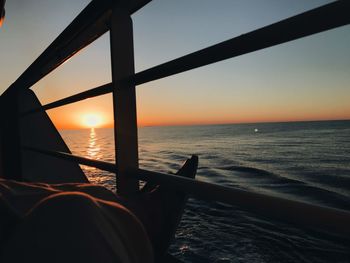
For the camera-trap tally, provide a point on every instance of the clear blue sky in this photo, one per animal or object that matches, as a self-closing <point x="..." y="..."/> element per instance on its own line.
<point x="302" y="80"/>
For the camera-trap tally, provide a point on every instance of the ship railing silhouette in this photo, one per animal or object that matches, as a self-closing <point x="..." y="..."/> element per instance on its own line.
<point x="19" y="104"/>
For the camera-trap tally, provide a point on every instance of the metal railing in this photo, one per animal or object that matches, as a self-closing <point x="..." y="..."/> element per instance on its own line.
<point x="103" y="15"/>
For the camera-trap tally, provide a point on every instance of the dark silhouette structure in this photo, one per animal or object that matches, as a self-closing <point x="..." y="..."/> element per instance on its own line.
<point x="37" y="153"/>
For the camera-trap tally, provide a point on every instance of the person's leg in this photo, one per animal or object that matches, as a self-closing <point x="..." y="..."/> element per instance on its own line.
<point x="75" y="227"/>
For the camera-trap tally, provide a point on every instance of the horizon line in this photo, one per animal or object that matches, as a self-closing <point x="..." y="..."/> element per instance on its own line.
<point x="207" y="124"/>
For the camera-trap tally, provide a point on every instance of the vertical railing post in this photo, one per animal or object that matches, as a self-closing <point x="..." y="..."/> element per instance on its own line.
<point x="124" y="101"/>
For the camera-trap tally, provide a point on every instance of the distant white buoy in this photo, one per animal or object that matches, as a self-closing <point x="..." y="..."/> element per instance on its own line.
<point x="256" y="130"/>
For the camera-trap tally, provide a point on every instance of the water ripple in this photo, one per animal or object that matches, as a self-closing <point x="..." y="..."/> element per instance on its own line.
<point x="302" y="161"/>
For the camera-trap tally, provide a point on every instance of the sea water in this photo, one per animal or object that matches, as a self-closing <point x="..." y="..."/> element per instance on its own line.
<point x="305" y="161"/>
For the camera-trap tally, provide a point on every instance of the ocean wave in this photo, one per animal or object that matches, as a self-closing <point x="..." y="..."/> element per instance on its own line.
<point x="246" y="169"/>
<point x="308" y="162"/>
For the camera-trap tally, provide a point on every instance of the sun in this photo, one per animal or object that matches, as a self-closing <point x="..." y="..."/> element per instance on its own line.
<point x="92" y="120"/>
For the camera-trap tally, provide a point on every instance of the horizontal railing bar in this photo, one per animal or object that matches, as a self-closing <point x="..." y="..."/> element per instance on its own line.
<point x="89" y="25"/>
<point x="105" y="166"/>
<point x="326" y="17"/>
<point x="101" y="90"/>
<point x="301" y="213"/>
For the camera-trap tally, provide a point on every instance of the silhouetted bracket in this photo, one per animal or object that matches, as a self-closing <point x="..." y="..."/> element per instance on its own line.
<point x="10" y="140"/>
<point x="38" y="130"/>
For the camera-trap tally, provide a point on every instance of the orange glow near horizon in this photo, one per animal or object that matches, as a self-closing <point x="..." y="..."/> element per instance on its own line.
<point x="244" y="114"/>
<point x="80" y="120"/>
<point x="169" y="111"/>
<point x="233" y="121"/>
<point x="96" y="120"/>
<point x="93" y="113"/>
<point x="302" y="80"/>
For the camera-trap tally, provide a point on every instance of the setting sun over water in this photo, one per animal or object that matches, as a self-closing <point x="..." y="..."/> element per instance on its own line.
<point x="92" y="120"/>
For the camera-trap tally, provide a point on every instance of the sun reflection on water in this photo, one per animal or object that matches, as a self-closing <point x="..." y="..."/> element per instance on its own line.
<point x="93" y="150"/>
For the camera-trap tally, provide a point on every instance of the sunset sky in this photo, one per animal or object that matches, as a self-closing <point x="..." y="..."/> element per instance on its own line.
<point x="306" y="79"/>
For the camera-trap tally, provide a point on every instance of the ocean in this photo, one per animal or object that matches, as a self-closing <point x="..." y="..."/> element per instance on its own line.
<point x="305" y="161"/>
